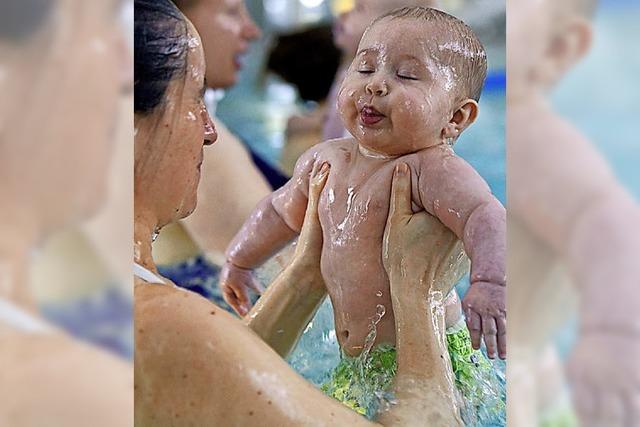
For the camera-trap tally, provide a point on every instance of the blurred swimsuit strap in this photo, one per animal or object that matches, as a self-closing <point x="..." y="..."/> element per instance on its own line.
<point x="148" y="276"/>
<point x="21" y="319"/>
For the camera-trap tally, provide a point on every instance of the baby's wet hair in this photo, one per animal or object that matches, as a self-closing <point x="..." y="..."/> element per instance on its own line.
<point x="461" y="48"/>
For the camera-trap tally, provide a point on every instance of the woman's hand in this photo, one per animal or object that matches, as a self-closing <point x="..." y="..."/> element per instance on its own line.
<point x="424" y="260"/>
<point x="420" y="254"/>
<point x="309" y="245"/>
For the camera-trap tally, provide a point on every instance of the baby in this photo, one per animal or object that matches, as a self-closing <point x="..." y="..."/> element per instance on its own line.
<point x="409" y="93"/>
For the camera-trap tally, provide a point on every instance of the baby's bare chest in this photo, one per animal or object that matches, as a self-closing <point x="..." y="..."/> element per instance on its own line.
<point x="355" y="203"/>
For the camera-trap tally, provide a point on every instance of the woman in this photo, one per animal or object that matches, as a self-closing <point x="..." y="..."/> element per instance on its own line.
<point x="195" y="363"/>
<point x="231" y="185"/>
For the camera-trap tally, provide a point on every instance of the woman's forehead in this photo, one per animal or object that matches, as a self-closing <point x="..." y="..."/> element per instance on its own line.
<point x="196" y="65"/>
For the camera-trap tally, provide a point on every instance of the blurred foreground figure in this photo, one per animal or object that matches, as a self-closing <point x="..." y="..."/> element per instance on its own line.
<point x="61" y="76"/>
<point x="573" y="237"/>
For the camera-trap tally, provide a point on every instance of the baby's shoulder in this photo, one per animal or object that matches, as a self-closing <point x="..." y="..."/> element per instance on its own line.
<point x="327" y="151"/>
<point x="434" y="158"/>
<point x="327" y="147"/>
<point x="331" y="145"/>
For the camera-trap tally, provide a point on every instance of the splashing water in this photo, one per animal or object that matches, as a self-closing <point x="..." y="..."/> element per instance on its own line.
<point x="367" y="378"/>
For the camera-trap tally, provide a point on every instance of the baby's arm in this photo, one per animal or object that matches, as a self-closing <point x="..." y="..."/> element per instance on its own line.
<point x="276" y="221"/>
<point x="454" y="192"/>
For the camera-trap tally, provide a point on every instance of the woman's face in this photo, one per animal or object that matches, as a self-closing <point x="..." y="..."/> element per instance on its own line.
<point x="226" y="30"/>
<point x="170" y="142"/>
<point x="351" y="24"/>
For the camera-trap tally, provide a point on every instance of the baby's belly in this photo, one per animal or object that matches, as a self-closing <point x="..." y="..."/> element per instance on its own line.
<point x="359" y="290"/>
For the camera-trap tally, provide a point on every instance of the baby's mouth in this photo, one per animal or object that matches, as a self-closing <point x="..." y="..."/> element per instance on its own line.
<point x="370" y="116"/>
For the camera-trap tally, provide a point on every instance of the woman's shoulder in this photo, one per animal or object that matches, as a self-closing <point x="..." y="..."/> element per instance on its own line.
<point x="169" y="316"/>
<point x="167" y="303"/>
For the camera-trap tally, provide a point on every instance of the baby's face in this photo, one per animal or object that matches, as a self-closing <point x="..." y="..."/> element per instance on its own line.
<point x="397" y="95"/>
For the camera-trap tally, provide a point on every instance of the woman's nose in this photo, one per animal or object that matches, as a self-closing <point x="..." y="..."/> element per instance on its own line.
<point x="377" y="86"/>
<point x="250" y="30"/>
<point x="210" y="134"/>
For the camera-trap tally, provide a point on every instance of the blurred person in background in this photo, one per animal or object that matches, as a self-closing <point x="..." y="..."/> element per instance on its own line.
<point x="62" y="71"/>
<point x="308" y="59"/>
<point x="574" y="236"/>
<point x="190" y="251"/>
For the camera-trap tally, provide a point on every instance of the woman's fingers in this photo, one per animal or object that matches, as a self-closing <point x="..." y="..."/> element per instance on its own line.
<point x="311" y="234"/>
<point x="317" y="180"/>
<point x="400" y="193"/>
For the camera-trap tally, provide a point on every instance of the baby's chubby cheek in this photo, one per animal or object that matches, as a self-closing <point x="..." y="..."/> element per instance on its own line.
<point x="409" y="114"/>
<point x="346" y="104"/>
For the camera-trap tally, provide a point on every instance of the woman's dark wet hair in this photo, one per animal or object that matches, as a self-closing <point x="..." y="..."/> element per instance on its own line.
<point x="19" y="19"/>
<point x="161" y="44"/>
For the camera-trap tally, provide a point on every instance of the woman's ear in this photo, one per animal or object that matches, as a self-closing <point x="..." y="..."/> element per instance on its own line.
<point x="462" y="118"/>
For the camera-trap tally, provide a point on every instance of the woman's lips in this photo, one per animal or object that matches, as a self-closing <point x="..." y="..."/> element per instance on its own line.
<point x="370" y="116"/>
<point x="237" y="62"/>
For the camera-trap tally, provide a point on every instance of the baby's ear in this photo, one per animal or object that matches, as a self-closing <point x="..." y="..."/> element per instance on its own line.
<point x="567" y="46"/>
<point x="462" y="118"/>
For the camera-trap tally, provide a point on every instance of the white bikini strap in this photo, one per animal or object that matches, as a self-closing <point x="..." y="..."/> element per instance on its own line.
<point x="21" y="319"/>
<point x="146" y="275"/>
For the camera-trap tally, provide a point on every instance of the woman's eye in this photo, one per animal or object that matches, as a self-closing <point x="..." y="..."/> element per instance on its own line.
<point x="365" y="71"/>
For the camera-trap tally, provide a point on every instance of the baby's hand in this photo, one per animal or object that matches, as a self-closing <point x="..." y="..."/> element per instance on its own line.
<point x="604" y="377"/>
<point x="484" y="308"/>
<point x="234" y="282"/>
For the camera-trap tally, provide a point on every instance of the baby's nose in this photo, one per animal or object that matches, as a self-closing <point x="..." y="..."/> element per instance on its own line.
<point x="377" y="87"/>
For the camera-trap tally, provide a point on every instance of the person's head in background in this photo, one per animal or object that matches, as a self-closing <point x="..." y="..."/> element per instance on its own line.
<point x="226" y="29"/>
<point x="353" y="21"/>
<point x="63" y="71"/>
<point x="545" y="39"/>
<point x="307" y="59"/>
<point x="172" y="124"/>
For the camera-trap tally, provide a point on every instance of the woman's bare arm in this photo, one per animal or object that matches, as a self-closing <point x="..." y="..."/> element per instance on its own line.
<point x="282" y="313"/>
